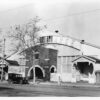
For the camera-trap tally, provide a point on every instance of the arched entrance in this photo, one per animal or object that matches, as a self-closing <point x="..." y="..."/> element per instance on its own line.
<point x="52" y="69"/>
<point x="83" y="70"/>
<point x="39" y="73"/>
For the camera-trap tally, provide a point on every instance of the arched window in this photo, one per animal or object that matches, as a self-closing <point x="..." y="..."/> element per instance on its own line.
<point x="49" y="39"/>
<point x="52" y="69"/>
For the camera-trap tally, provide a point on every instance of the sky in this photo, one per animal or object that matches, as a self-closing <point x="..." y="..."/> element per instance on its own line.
<point x="76" y="18"/>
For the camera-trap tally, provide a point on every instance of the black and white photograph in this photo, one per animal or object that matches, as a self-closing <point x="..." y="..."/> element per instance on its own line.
<point x="49" y="48"/>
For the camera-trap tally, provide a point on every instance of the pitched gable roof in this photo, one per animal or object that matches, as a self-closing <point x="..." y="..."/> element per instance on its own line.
<point x="96" y="59"/>
<point x="91" y="58"/>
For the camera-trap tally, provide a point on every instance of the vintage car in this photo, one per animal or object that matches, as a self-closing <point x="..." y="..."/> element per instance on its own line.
<point x="17" y="79"/>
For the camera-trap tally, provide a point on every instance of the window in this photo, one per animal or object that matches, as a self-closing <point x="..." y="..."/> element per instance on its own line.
<point x="59" y="60"/>
<point x="69" y="59"/>
<point x="59" y="64"/>
<point x="64" y="60"/>
<point x="37" y="56"/>
<point x="41" y="39"/>
<point x="49" y="38"/>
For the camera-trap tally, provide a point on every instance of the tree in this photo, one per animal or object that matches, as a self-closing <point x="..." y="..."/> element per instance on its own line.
<point x="25" y="36"/>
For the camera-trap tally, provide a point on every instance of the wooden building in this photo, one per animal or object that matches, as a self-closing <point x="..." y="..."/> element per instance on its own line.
<point x="7" y="67"/>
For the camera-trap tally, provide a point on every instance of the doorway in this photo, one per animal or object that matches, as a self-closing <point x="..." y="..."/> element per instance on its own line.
<point x="39" y="74"/>
<point x="83" y="70"/>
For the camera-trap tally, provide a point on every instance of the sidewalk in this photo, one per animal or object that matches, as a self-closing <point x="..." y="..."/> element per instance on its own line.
<point x="3" y="82"/>
<point x="67" y="84"/>
<point x="71" y="84"/>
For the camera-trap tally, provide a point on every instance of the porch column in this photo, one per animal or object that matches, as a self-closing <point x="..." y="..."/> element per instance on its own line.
<point x="92" y="77"/>
<point x="61" y="68"/>
<point x="73" y="73"/>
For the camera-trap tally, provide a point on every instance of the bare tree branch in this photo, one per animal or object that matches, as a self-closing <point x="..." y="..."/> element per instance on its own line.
<point x="25" y="34"/>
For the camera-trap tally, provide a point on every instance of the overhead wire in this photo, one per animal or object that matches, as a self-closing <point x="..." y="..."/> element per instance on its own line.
<point x="73" y="14"/>
<point x="62" y="17"/>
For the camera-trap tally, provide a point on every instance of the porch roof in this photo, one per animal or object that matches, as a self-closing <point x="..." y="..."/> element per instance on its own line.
<point x="13" y="62"/>
<point x="10" y="62"/>
<point x="91" y="58"/>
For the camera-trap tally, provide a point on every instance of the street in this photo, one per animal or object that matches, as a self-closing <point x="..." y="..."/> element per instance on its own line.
<point x="17" y="90"/>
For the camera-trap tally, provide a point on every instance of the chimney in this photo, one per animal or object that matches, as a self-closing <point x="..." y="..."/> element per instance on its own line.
<point x="82" y="42"/>
<point x="56" y="31"/>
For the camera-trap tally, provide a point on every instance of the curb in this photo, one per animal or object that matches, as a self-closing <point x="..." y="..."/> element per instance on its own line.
<point x="71" y="85"/>
<point x="60" y="85"/>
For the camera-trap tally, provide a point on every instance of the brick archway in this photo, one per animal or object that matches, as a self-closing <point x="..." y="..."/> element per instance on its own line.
<point x="36" y="66"/>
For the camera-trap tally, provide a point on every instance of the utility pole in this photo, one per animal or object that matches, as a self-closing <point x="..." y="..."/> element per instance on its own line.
<point x="3" y="59"/>
<point x="34" y="74"/>
<point x="33" y="62"/>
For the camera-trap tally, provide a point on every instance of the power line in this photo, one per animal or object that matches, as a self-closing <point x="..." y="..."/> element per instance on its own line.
<point x="73" y="14"/>
<point x="86" y="43"/>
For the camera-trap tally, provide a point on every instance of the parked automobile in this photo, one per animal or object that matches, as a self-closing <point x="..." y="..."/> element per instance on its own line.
<point x="17" y="79"/>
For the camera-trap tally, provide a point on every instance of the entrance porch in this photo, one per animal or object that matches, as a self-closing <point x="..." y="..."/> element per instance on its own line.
<point x="83" y="69"/>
